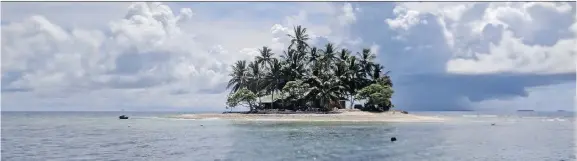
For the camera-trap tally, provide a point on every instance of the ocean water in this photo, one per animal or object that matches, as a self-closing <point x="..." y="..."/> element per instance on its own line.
<point x="468" y="136"/>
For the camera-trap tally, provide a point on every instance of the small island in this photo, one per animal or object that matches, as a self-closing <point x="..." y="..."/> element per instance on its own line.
<point x="308" y="83"/>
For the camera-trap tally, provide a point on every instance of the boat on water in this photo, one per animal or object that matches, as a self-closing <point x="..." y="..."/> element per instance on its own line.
<point x="122" y="117"/>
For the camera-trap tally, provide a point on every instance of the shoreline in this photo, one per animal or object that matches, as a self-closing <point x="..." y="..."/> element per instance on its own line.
<point x="342" y="116"/>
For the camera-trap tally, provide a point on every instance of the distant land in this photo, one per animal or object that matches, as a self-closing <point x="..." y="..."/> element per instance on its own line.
<point x="526" y="110"/>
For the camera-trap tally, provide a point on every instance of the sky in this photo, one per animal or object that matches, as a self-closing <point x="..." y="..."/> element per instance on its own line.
<point x="176" y="56"/>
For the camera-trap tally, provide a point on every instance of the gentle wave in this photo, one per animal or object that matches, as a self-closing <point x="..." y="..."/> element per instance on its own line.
<point x="211" y="118"/>
<point x="66" y="137"/>
<point x="534" y="117"/>
<point x="167" y="118"/>
<point x="555" y="120"/>
<point x="475" y="116"/>
<point x="513" y="119"/>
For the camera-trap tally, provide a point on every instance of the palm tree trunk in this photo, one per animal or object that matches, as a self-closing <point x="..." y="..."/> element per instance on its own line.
<point x="259" y="101"/>
<point x="352" y="101"/>
<point x="258" y="91"/>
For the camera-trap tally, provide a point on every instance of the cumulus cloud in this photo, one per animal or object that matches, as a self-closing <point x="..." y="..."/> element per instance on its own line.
<point x="59" y="13"/>
<point x="348" y="15"/>
<point x="149" y="57"/>
<point x="155" y="56"/>
<point x="511" y="55"/>
<point x="334" y="29"/>
<point x="405" y="19"/>
<point x="457" y="56"/>
<point x="534" y="37"/>
<point x="145" y="49"/>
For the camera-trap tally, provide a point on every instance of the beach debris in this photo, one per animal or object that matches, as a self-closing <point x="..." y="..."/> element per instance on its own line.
<point x="393" y="139"/>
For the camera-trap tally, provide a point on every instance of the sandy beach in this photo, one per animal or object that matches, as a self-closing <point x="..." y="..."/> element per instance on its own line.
<point x="344" y="116"/>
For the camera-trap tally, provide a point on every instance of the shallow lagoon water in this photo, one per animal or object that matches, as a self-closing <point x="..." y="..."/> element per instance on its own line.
<point x="153" y="136"/>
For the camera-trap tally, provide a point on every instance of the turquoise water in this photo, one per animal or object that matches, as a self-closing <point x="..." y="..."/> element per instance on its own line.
<point x="529" y="136"/>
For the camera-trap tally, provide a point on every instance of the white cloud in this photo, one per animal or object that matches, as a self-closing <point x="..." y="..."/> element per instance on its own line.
<point x="405" y="18"/>
<point x="151" y="56"/>
<point x="348" y="15"/>
<point x="335" y="29"/>
<point x="87" y="15"/>
<point x="513" y="56"/>
<point x="146" y="49"/>
<point x="375" y="49"/>
<point x="498" y="37"/>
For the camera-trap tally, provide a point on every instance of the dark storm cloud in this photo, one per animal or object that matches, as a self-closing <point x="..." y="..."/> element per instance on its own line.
<point x="455" y="91"/>
<point x="418" y="64"/>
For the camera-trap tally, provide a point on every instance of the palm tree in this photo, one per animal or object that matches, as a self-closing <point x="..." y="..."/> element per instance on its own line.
<point x="328" y="56"/>
<point x="387" y="79"/>
<point x="376" y="71"/>
<point x="378" y="76"/>
<point x="365" y="64"/>
<point x="294" y="67"/>
<point x="299" y="39"/>
<point x="323" y="91"/>
<point x="274" y="77"/>
<point x="255" y="74"/>
<point x="313" y="62"/>
<point x="265" y="57"/>
<point x="295" y="56"/>
<point x="239" y="76"/>
<point x="330" y="73"/>
<point x="314" y="56"/>
<point x="352" y="79"/>
<point x="342" y="74"/>
<point x="344" y="55"/>
<point x="366" y="60"/>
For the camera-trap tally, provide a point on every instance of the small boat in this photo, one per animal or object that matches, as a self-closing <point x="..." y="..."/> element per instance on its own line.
<point x="122" y="117"/>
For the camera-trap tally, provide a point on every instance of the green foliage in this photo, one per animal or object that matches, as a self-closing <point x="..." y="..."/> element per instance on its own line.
<point x="312" y="77"/>
<point x="385" y="81"/>
<point x="254" y="77"/>
<point x="242" y="97"/>
<point x="296" y="89"/>
<point x="239" y="76"/>
<point x="378" y="97"/>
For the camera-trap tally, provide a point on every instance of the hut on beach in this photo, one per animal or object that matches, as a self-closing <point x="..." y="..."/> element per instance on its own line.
<point x="267" y="102"/>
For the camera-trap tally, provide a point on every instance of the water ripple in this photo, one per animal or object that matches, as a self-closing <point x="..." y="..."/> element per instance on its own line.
<point x="94" y="137"/>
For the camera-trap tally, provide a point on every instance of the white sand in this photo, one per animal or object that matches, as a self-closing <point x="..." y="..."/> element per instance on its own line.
<point x="345" y="116"/>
